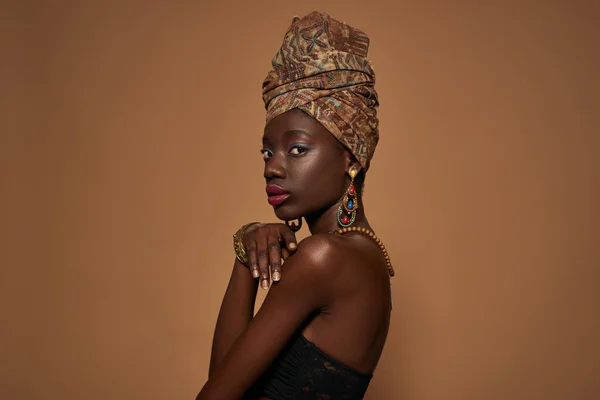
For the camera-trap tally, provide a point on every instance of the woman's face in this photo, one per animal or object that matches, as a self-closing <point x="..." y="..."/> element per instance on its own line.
<point x="305" y="165"/>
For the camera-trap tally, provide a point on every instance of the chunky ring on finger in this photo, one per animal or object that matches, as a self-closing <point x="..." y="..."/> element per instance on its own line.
<point x="293" y="226"/>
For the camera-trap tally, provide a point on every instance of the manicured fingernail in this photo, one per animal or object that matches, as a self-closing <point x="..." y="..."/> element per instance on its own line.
<point x="276" y="276"/>
<point x="255" y="273"/>
<point x="265" y="284"/>
<point x="292" y="246"/>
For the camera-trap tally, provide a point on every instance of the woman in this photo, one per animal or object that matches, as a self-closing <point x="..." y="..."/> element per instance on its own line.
<point x="322" y="327"/>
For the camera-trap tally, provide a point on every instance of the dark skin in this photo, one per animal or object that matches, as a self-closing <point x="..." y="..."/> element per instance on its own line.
<point x="335" y="288"/>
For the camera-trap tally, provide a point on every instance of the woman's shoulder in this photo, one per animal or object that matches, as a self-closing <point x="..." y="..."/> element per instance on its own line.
<point x="311" y="270"/>
<point x="330" y="252"/>
<point x="319" y="250"/>
<point x="335" y="266"/>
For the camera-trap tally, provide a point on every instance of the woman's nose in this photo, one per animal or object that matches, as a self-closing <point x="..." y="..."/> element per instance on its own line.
<point x="274" y="168"/>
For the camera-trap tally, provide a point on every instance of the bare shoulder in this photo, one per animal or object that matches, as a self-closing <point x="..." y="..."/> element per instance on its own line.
<point x="344" y="254"/>
<point x="320" y="247"/>
<point x="317" y="254"/>
<point x="308" y="274"/>
<point x="327" y="257"/>
<point x="326" y="254"/>
<point x="328" y="267"/>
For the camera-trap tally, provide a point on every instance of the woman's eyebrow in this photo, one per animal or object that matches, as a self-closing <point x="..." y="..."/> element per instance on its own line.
<point x="299" y="132"/>
<point x="288" y="133"/>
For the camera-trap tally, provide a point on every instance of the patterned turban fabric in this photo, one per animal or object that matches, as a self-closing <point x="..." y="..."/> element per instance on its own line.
<point x="322" y="69"/>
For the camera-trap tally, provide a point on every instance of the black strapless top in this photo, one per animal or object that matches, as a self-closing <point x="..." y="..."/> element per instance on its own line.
<point x="304" y="372"/>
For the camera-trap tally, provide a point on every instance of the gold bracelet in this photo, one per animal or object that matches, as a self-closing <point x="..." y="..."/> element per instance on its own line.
<point x="238" y="243"/>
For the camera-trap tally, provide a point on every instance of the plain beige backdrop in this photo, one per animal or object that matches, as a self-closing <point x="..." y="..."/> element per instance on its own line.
<point x="129" y="155"/>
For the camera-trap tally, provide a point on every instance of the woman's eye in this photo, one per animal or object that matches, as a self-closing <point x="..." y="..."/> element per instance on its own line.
<point x="265" y="153"/>
<point x="296" y="150"/>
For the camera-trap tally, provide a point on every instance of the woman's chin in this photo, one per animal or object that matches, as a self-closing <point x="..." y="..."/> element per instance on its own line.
<point x="286" y="213"/>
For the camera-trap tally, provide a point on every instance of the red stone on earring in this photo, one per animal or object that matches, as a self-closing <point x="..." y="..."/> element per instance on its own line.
<point x="292" y="225"/>
<point x="345" y="220"/>
<point x="351" y="191"/>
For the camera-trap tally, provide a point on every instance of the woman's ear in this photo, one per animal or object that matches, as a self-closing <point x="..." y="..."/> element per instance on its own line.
<point x="351" y="163"/>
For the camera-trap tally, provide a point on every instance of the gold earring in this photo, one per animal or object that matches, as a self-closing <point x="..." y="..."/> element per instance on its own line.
<point x="346" y="214"/>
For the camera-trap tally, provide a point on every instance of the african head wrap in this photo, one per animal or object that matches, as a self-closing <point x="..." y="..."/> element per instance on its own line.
<point x="322" y="69"/>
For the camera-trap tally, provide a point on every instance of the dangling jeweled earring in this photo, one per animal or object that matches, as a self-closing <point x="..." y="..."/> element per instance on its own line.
<point x="293" y="226"/>
<point x="346" y="214"/>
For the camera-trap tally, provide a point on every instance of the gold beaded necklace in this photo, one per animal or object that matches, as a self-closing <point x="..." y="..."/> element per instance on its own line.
<point x="371" y="234"/>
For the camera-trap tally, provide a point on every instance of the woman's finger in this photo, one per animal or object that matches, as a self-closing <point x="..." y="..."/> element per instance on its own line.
<point x="285" y="253"/>
<point x="274" y="256"/>
<point x="263" y="259"/>
<point x="289" y="238"/>
<point x="252" y="259"/>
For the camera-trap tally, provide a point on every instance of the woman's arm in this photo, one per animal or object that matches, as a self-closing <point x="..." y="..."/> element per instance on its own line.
<point x="305" y="289"/>
<point x="236" y="312"/>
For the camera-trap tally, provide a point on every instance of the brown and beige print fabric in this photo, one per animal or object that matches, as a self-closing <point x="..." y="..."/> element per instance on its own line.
<point x="322" y="69"/>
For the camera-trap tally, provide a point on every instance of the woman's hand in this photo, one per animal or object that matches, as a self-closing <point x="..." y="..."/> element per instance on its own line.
<point x="266" y="245"/>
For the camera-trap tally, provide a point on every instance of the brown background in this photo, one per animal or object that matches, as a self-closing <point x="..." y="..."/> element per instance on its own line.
<point x="129" y="156"/>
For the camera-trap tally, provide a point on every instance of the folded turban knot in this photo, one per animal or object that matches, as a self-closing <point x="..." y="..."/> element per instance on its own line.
<point x="322" y="69"/>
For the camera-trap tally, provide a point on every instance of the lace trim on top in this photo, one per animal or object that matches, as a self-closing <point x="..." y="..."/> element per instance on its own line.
<point x="304" y="372"/>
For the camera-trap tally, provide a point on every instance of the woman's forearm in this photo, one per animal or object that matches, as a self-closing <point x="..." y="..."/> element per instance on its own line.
<point x="237" y="310"/>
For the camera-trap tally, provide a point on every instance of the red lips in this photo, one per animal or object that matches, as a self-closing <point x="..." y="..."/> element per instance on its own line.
<point x="274" y="190"/>
<point x="276" y="195"/>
